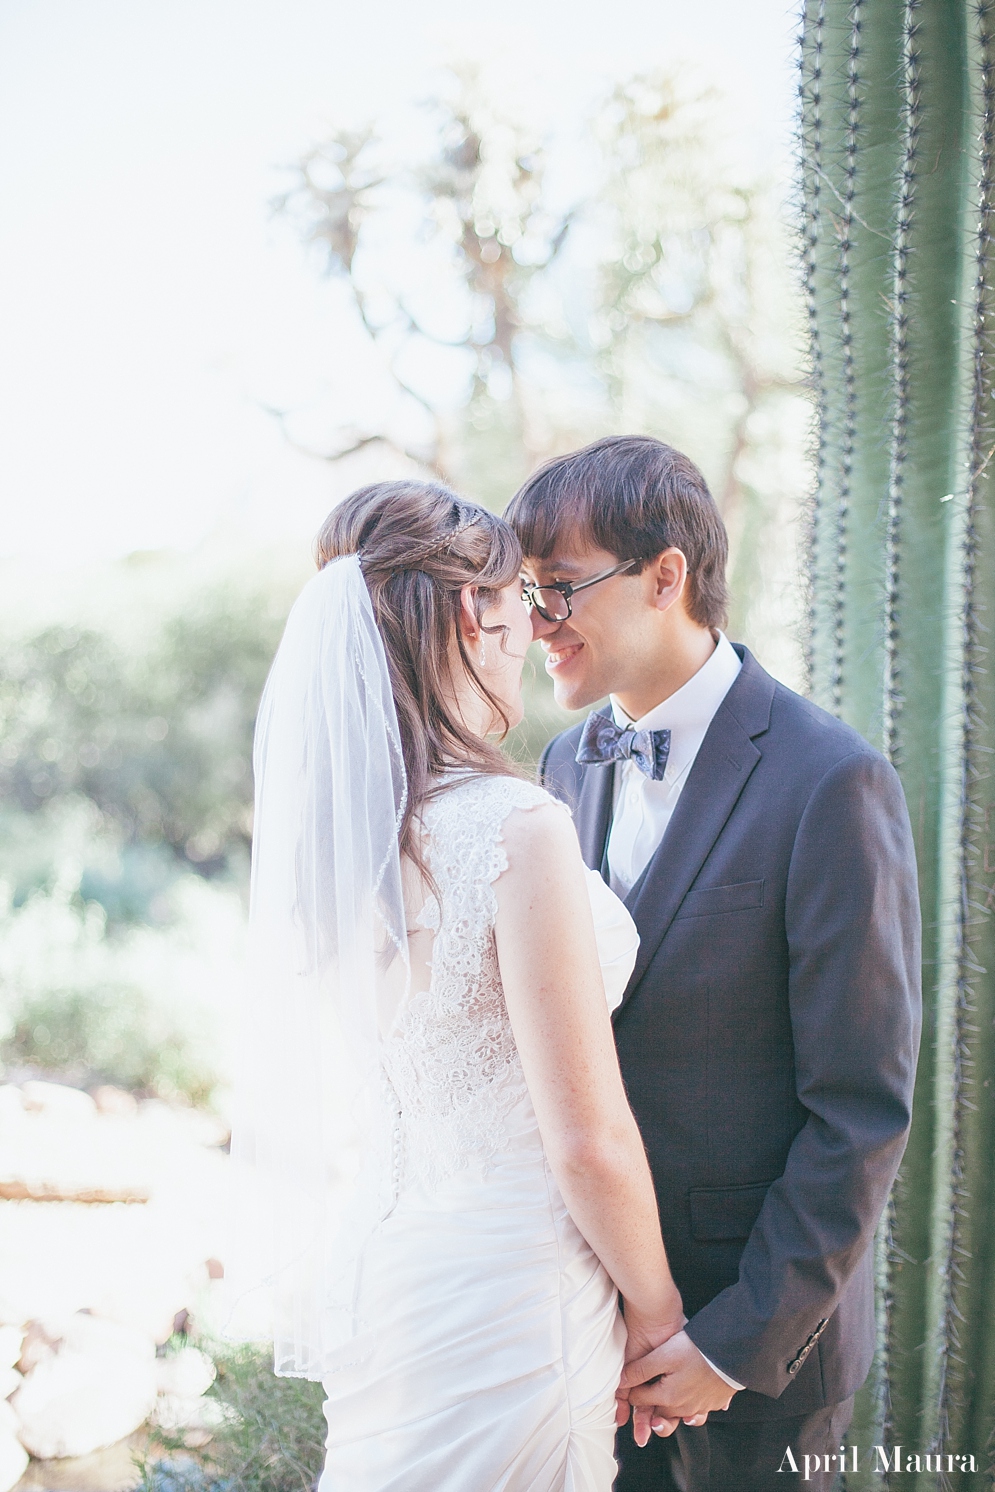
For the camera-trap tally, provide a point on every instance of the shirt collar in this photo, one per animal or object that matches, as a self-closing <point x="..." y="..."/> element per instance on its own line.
<point x="689" y="712"/>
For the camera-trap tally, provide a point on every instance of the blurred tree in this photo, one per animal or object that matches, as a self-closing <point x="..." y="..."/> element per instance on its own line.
<point x="693" y="327"/>
<point x="658" y="300"/>
<point x="439" y="253"/>
<point x="511" y="318"/>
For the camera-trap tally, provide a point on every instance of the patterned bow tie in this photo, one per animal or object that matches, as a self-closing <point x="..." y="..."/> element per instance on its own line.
<point x="604" y="741"/>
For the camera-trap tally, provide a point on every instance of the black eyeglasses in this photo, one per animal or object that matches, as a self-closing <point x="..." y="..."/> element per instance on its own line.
<point x="552" y="602"/>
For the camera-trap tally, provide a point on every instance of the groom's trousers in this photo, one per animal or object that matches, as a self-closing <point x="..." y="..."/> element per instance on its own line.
<point x="736" y="1457"/>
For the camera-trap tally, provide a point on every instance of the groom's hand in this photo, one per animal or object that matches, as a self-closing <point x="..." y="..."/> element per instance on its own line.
<point x="671" y="1383"/>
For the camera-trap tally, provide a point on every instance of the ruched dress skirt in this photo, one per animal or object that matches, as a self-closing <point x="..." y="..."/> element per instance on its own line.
<point x="497" y="1342"/>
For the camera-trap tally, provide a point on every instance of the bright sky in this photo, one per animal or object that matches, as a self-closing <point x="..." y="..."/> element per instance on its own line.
<point x="150" y="306"/>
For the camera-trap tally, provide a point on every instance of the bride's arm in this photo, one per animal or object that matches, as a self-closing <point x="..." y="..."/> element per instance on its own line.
<point x="555" y="996"/>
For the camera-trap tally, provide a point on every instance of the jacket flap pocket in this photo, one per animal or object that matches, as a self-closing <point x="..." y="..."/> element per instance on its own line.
<point x="708" y="899"/>
<point x="727" y="1211"/>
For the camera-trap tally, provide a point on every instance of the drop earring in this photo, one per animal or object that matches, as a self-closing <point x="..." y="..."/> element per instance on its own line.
<point x="483" y="654"/>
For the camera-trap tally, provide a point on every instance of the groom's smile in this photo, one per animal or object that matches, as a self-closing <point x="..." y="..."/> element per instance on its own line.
<point x="626" y="636"/>
<point x="559" y="654"/>
<point x="576" y="647"/>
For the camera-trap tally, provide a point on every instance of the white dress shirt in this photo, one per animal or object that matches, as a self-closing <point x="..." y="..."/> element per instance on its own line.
<point x="642" y="807"/>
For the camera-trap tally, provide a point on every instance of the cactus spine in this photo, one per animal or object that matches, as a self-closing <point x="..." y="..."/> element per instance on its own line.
<point x="897" y="130"/>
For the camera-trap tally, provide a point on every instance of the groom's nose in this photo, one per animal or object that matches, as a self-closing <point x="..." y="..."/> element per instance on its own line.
<point x="542" y="628"/>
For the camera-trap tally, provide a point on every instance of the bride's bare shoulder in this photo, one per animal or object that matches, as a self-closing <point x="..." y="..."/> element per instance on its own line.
<point x="539" y="836"/>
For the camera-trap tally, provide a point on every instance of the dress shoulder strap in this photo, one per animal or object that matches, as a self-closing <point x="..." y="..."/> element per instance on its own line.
<point x="465" y="852"/>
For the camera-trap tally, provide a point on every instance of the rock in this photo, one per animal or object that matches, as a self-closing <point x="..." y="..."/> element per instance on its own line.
<point x="11" y="1342"/>
<point x="173" y="1412"/>
<point x="195" y="1419"/>
<point x="33" y="1189"/>
<point x="39" y="1343"/>
<point x="187" y="1373"/>
<point x="88" y="1383"/>
<point x="11" y="1314"/>
<point x="10" y="1382"/>
<point x="110" y="1100"/>
<point x="75" y="1402"/>
<point x="11" y="1103"/>
<point x="57" y="1099"/>
<point x="184" y="1377"/>
<point x="149" y="1291"/>
<point x="81" y="1332"/>
<point x="84" y="1332"/>
<point x="13" y="1459"/>
<point x="147" y="1306"/>
<point x="183" y="1476"/>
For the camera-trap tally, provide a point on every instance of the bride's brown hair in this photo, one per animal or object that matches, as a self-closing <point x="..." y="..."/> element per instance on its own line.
<point x="418" y="545"/>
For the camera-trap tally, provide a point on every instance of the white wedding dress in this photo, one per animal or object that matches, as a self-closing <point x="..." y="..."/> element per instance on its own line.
<point x="497" y="1343"/>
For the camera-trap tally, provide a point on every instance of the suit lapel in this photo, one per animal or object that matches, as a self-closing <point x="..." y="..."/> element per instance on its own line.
<point x="720" y="771"/>
<point x="593" y="813"/>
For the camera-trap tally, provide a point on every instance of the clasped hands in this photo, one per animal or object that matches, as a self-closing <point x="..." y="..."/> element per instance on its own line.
<point x="670" y="1383"/>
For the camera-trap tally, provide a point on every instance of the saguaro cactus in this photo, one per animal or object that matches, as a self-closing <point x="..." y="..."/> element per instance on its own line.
<point x="897" y="130"/>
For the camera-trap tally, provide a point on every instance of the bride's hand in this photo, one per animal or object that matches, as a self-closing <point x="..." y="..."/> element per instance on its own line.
<point x="643" y="1336"/>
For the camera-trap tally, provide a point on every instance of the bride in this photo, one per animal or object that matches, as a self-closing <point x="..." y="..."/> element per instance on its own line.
<point x="453" y="1190"/>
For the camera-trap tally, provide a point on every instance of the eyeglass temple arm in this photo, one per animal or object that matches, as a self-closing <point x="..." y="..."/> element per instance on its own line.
<point x="569" y="590"/>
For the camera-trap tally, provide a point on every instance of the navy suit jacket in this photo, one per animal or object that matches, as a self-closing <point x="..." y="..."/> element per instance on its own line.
<point x="769" y="1033"/>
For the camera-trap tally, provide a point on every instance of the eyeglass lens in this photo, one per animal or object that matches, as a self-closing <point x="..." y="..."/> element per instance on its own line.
<point x="553" y="605"/>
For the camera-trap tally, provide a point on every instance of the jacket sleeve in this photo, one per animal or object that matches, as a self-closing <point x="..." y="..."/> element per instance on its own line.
<point x="854" y="987"/>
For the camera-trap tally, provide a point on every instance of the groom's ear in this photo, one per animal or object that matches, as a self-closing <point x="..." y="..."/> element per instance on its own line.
<point x="667" y="577"/>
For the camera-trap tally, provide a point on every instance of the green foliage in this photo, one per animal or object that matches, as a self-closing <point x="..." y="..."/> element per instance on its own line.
<point x="125" y="780"/>
<point x="157" y="736"/>
<point x="110" y="1035"/>
<point x="137" y="1006"/>
<point x="271" y="1437"/>
<point x="117" y="963"/>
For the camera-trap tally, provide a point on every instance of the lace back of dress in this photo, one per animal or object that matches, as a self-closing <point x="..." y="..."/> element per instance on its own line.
<point x="451" y="1057"/>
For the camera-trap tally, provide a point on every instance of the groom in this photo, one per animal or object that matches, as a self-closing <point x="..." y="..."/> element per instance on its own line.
<point x="769" y="1032"/>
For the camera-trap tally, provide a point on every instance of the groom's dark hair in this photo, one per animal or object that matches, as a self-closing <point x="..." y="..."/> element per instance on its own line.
<point x="635" y="497"/>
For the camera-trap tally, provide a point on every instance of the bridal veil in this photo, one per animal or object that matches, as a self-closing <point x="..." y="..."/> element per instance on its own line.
<point x="314" y="1119"/>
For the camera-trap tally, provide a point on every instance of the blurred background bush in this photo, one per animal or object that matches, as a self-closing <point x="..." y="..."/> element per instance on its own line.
<point x="125" y="825"/>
